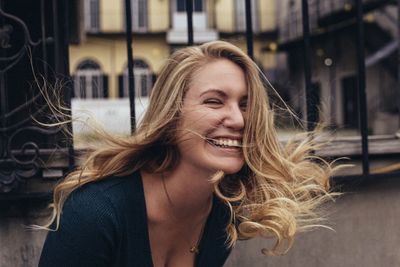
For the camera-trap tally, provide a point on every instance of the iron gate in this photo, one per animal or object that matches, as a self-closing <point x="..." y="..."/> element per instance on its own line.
<point x="34" y="39"/>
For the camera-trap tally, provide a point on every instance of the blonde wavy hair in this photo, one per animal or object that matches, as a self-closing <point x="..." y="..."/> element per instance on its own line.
<point x="275" y="195"/>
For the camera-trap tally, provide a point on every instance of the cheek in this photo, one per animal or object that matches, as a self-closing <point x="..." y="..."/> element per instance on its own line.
<point x="200" y="121"/>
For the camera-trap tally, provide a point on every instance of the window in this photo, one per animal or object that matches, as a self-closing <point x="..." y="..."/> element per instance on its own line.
<point x="240" y="13"/>
<point x="350" y="102"/>
<point x="92" y="18"/>
<point x="139" y="15"/>
<point x="143" y="80"/>
<point x="198" y="5"/>
<point x="89" y="81"/>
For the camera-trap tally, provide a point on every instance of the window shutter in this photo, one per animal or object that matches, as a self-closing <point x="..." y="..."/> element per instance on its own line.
<point x="121" y="86"/>
<point x="105" y="86"/>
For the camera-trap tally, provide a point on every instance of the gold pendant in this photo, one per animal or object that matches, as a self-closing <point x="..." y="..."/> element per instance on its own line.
<point x="194" y="250"/>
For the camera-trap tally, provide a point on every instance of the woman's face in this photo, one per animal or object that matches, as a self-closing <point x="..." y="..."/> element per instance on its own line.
<point x="212" y="120"/>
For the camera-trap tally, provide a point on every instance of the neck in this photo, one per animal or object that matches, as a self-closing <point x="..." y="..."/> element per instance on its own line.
<point x="183" y="193"/>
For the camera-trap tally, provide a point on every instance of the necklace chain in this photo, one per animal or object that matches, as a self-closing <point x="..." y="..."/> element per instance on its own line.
<point x="195" y="248"/>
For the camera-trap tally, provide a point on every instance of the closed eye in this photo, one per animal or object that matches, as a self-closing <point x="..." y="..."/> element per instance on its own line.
<point x="213" y="101"/>
<point x="243" y="105"/>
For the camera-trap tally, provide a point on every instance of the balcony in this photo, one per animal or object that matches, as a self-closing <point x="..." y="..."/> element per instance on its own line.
<point x="201" y="33"/>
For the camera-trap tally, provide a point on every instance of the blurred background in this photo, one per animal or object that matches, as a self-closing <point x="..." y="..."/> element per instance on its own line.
<point x="332" y="61"/>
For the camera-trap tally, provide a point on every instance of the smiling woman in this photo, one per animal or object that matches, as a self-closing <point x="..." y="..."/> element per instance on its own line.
<point x="203" y="170"/>
<point x="212" y="119"/>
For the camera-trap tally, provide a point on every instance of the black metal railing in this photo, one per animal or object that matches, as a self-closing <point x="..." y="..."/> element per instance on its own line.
<point x="54" y="48"/>
<point x="321" y="8"/>
<point x="361" y="83"/>
<point x="32" y="50"/>
<point x="131" y="77"/>
<point x="322" y="13"/>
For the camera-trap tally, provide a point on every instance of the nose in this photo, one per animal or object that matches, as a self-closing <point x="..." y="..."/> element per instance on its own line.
<point x="234" y="118"/>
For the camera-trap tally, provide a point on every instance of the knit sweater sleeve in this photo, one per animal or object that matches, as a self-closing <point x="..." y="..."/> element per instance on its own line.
<point x="87" y="234"/>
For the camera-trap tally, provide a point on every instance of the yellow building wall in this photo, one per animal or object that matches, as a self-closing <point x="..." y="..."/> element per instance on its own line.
<point x="110" y="52"/>
<point x="111" y="15"/>
<point x="153" y="50"/>
<point x="266" y="59"/>
<point x="266" y="15"/>
<point x="224" y="15"/>
<point x="220" y="14"/>
<point x="158" y="15"/>
<point x="111" y="55"/>
<point x="210" y="5"/>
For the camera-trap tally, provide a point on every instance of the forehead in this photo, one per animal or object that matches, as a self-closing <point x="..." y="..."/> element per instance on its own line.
<point x="220" y="74"/>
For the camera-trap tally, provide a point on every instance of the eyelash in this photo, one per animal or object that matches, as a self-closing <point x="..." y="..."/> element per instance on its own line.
<point x="243" y="106"/>
<point x="213" y="101"/>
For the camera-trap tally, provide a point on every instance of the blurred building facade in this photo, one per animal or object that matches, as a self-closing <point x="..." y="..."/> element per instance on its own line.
<point x="98" y="61"/>
<point x="334" y="60"/>
<point x="98" y="65"/>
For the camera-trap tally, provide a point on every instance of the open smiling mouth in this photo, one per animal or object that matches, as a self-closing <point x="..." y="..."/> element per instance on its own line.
<point x="225" y="143"/>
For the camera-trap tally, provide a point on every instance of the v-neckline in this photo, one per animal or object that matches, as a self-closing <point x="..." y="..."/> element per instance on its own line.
<point x="203" y="241"/>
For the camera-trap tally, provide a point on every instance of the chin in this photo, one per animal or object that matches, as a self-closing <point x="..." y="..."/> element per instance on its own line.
<point x="231" y="168"/>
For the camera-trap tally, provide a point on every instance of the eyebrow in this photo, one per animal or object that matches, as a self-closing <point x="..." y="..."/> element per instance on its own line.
<point x="220" y="92"/>
<point x="213" y="90"/>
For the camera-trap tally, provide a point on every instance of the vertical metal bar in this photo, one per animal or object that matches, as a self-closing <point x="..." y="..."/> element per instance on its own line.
<point x="189" y="13"/>
<point x="332" y="78"/>
<point x="63" y="39"/>
<point x="56" y="38"/>
<point x="361" y="87"/>
<point x="131" y="79"/>
<point x="398" y="57"/>
<point x="310" y="101"/>
<point x="249" y="29"/>
<point x="43" y="29"/>
<point x="3" y="99"/>
<point x="3" y="91"/>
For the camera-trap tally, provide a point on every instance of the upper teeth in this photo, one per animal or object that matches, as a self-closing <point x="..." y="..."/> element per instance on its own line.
<point x="226" y="142"/>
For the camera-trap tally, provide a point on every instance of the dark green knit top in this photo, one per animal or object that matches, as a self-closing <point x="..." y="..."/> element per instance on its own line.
<point x="104" y="223"/>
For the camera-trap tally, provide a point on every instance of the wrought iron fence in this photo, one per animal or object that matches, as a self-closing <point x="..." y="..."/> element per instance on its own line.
<point x="358" y="7"/>
<point x="32" y="40"/>
<point x="321" y="14"/>
<point x="50" y="40"/>
<point x="323" y="9"/>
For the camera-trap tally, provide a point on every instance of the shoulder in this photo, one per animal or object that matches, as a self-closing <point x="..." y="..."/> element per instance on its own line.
<point x="108" y="191"/>
<point x="102" y="201"/>
<point x="92" y="223"/>
<point x="110" y="185"/>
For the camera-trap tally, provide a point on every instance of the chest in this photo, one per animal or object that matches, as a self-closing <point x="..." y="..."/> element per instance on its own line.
<point x="171" y="244"/>
<point x="137" y="245"/>
<point x="162" y="258"/>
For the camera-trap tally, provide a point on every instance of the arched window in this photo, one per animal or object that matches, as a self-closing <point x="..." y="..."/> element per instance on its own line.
<point x="89" y="81"/>
<point x="198" y="5"/>
<point x="143" y="80"/>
